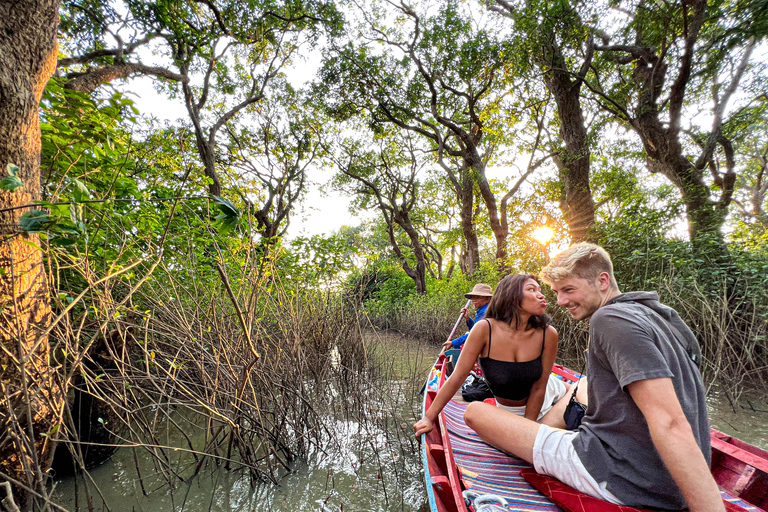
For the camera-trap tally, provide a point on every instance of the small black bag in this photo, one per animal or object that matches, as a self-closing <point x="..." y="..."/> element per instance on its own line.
<point x="574" y="411"/>
<point x="477" y="390"/>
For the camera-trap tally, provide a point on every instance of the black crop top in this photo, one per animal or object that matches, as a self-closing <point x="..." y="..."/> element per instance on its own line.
<point x="509" y="379"/>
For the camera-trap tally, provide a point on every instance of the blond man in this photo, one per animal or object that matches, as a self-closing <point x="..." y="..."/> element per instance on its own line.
<point x="644" y="440"/>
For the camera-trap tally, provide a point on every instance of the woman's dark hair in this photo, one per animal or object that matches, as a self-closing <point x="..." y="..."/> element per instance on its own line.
<point x="507" y="300"/>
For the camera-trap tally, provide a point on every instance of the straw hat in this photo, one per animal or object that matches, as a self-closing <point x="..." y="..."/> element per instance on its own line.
<point x="480" y="290"/>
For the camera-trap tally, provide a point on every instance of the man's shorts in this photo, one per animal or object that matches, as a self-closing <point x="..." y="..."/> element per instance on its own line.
<point x="554" y="455"/>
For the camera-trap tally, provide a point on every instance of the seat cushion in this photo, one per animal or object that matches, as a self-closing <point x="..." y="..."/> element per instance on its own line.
<point x="571" y="500"/>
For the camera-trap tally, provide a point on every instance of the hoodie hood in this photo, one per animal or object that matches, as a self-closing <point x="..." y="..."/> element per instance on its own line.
<point x="682" y="332"/>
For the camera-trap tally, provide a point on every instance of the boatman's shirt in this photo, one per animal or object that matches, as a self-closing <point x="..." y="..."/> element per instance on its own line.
<point x="633" y="341"/>
<point x="479" y="315"/>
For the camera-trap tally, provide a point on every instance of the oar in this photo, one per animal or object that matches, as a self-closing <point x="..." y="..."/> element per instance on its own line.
<point x="456" y="326"/>
<point x="461" y="316"/>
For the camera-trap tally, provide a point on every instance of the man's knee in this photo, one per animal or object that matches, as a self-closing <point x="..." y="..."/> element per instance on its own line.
<point x="475" y="412"/>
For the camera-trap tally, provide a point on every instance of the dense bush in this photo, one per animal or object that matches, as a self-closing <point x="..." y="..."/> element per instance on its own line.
<point x="428" y="317"/>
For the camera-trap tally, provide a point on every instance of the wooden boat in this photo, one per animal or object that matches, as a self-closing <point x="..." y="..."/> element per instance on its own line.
<point x="456" y="460"/>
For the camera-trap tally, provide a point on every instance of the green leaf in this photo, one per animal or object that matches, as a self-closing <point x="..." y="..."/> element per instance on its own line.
<point x="32" y="245"/>
<point x="12" y="181"/>
<point x="80" y="192"/>
<point x="228" y="209"/>
<point x="64" y="242"/>
<point x="75" y="213"/>
<point x="34" y="221"/>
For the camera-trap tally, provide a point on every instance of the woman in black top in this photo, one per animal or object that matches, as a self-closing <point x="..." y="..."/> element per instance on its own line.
<point x="516" y="348"/>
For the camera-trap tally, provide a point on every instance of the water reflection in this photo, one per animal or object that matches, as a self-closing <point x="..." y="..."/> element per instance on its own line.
<point x="747" y="420"/>
<point x="370" y="465"/>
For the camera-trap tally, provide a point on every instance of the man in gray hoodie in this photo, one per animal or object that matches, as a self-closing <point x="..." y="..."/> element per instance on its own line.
<point x="644" y="440"/>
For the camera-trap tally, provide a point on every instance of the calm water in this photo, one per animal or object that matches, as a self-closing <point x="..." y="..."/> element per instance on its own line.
<point x="374" y="469"/>
<point x="748" y="420"/>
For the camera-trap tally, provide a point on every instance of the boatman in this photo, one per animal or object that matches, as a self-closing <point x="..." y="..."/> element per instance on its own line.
<point x="644" y="440"/>
<point x="480" y="296"/>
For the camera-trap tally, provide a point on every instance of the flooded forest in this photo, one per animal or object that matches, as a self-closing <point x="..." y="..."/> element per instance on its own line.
<point x="235" y="233"/>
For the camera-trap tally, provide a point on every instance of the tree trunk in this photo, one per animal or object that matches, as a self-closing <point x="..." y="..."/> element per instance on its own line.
<point x="705" y="216"/>
<point x="204" y="147"/>
<point x="499" y="230"/>
<point x="573" y="163"/>
<point x="471" y="254"/>
<point x="420" y="274"/>
<point x="31" y="400"/>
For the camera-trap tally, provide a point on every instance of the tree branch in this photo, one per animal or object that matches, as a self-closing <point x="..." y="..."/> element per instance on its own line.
<point x="89" y="81"/>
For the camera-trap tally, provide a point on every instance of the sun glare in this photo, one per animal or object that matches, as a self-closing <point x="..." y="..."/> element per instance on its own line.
<point x="543" y="235"/>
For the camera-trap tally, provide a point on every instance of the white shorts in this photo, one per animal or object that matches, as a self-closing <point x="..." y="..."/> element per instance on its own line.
<point x="554" y="455"/>
<point x="555" y="391"/>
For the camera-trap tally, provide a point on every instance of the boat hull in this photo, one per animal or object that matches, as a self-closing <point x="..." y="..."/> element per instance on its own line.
<point x="455" y="460"/>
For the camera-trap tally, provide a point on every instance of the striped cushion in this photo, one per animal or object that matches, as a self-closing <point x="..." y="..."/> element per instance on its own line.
<point x="486" y="470"/>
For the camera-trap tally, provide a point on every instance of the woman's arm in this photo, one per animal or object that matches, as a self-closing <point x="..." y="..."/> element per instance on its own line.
<point x="539" y="389"/>
<point x="472" y="349"/>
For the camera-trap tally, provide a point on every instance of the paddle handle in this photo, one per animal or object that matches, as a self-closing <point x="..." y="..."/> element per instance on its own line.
<point x="461" y="316"/>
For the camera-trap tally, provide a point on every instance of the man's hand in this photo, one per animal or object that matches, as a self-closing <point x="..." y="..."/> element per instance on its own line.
<point x="464" y="313"/>
<point x="673" y="438"/>
<point x="448" y="345"/>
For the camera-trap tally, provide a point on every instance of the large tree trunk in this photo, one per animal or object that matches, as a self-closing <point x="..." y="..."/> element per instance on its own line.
<point x="420" y="272"/>
<point x="30" y="400"/>
<point x="573" y="163"/>
<point x="470" y="258"/>
<point x="500" y="231"/>
<point x="705" y="216"/>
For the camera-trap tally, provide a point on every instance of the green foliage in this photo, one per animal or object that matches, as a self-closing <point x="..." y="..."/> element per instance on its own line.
<point x="12" y="181"/>
<point x="393" y="303"/>
<point x="118" y="192"/>
<point x="229" y="216"/>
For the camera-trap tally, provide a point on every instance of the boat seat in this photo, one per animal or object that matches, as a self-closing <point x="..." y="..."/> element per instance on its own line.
<point x="571" y="500"/>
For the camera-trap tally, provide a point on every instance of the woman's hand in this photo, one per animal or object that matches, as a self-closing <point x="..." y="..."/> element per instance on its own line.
<point x="423" y="426"/>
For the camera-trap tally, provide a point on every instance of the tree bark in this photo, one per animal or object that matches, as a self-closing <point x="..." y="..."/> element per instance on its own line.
<point x="705" y="216"/>
<point x="470" y="257"/>
<point x="574" y="161"/>
<point x="500" y="231"/>
<point x="89" y="82"/>
<point x="31" y="400"/>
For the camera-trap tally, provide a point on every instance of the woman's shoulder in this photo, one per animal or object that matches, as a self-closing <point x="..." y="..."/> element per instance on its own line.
<point x="551" y="333"/>
<point x="484" y="323"/>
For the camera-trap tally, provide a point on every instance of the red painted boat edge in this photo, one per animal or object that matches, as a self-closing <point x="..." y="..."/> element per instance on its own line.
<point x="738" y="467"/>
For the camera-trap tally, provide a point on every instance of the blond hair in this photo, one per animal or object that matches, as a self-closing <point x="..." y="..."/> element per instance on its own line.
<point x="582" y="260"/>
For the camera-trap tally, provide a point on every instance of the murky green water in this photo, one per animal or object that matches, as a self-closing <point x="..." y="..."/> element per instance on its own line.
<point x="372" y="467"/>
<point x="351" y="477"/>
<point x="376" y="468"/>
<point x="747" y="419"/>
